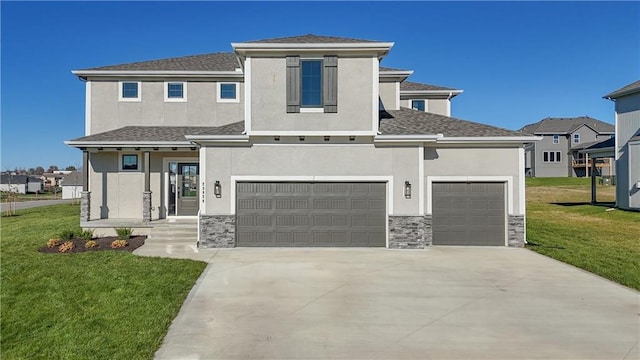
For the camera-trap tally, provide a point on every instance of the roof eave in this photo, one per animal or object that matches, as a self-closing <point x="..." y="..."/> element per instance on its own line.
<point x="451" y="93"/>
<point x="395" y="75"/>
<point x="382" y="48"/>
<point x="616" y="94"/>
<point x="406" y="138"/>
<point x="213" y="138"/>
<point x="487" y="139"/>
<point x="157" y="73"/>
<point x="116" y="144"/>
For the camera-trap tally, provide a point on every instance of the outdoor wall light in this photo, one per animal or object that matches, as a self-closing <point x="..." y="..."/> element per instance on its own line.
<point x="407" y="190"/>
<point x="155" y="148"/>
<point x="217" y="189"/>
<point x="174" y="148"/>
<point x="327" y="138"/>
<point x="301" y="138"/>
<point x="352" y="138"/>
<point x="276" y="138"/>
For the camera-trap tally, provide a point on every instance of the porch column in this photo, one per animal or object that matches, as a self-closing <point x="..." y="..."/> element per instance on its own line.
<point x="593" y="181"/>
<point x="85" y="196"/>
<point x="586" y="164"/>
<point x="146" y="195"/>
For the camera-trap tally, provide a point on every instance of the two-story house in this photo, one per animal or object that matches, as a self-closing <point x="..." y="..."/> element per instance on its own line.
<point x="297" y="141"/>
<point x="627" y="145"/>
<point x="559" y="154"/>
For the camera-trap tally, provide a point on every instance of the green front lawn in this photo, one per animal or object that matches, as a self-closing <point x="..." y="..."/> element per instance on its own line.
<point x="92" y="305"/>
<point x="561" y="224"/>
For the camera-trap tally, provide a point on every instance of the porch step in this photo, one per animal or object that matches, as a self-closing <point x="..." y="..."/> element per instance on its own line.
<point x="174" y="232"/>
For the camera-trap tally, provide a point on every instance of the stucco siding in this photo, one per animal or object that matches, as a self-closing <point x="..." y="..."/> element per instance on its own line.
<point x="350" y="163"/>
<point x="389" y="95"/>
<point x="439" y="106"/>
<point x="355" y="96"/>
<point x="485" y="162"/>
<point x="200" y="109"/>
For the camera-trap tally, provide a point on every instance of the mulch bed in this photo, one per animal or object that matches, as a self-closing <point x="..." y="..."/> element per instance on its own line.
<point x="104" y="243"/>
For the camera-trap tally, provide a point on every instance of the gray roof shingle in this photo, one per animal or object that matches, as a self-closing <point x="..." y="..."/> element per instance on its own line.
<point x="310" y="39"/>
<point x="413" y="122"/>
<point x="220" y="61"/>
<point x="162" y="133"/>
<point x="384" y="68"/>
<point x="72" y="179"/>
<point x="567" y="125"/>
<point x="414" y="86"/>
<point x="625" y="90"/>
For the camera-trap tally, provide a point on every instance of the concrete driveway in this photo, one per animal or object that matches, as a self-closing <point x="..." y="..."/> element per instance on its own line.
<point x="439" y="303"/>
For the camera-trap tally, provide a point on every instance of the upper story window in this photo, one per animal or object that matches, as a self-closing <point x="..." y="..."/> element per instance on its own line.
<point x="418" y="105"/>
<point x="576" y="138"/>
<point x="556" y="139"/>
<point x="129" y="91"/>
<point x="175" y="91"/>
<point x="312" y="84"/>
<point x="228" y="92"/>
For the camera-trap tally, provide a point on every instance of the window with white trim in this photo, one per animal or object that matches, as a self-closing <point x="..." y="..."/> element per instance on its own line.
<point x="551" y="156"/>
<point x="129" y="91"/>
<point x="175" y="91"/>
<point x="227" y="92"/>
<point x="556" y="139"/>
<point x="576" y="138"/>
<point x="129" y="162"/>
<point x="418" y="105"/>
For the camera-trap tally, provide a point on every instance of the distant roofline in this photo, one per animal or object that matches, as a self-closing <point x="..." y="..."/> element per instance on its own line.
<point x="158" y="73"/>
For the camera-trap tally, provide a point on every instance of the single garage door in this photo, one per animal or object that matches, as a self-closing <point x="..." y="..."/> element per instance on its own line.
<point x="468" y="214"/>
<point x="310" y="214"/>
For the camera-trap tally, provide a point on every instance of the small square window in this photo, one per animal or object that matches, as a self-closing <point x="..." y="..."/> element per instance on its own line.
<point x="175" y="91"/>
<point x="129" y="162"/>
<point x="556" y="139"/>
<point x="129" y="91"/>
<point x="227" y="92"/>
<point x="418" y="105"/>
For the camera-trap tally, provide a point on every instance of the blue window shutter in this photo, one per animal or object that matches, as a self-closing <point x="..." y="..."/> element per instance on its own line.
<point x="293" y="84"/>
<point x="330" y="91"/>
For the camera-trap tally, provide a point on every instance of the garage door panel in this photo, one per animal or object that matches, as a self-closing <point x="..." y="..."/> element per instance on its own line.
<point x="468" y="213"/>
<point x="311" y="214"/>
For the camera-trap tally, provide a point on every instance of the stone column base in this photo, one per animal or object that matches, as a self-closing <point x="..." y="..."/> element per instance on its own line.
<point x="146" y="206"/>
<point x="407" y="232"/>
<point x="217" y="231"/>
<point x="516" y="230"/>
<point x="85" y="206"/>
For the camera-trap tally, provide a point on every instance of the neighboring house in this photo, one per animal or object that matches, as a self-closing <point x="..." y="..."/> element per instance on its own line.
<point x="72" y="185"/>
<point x="298" y="141"/>
<point x="52" y="179"/>
<point x="627" y="145"/>
<point x="20" y="184"/>
<point x="559" y="153"/>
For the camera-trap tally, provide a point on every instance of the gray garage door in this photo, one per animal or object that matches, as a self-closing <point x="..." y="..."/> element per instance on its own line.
<point x="468" y="214"/>
<point x="311" y="214"/>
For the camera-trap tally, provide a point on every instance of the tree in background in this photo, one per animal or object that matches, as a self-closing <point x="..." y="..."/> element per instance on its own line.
<point x="52" y="168"/>
<point x="39" y="170"/>
<point x="70" y="168"/>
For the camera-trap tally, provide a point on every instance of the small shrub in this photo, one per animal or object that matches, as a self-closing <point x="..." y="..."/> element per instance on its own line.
<point x="67" y="235"/>
<point x="66" y="247"/>
<point x="118" y="244"/>
<point x="91" y="244"/>
<point x="123" y="233"/>
<point x="53" y="243"/>
<point x="86" y="234"/>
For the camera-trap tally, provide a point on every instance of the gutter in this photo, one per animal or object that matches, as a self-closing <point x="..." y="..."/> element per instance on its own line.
<point x="158" y="73"/>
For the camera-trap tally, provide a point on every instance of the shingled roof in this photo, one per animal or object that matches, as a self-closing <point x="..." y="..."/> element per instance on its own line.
<point x="311" y="39"/>
<point x="161" y="133"/>
<point x="413" y="122"/>
<point x="221" y="61"/>
<point x="626" y="90"/>
<point x="414" y="86"/>
<point x="567" y="125"/>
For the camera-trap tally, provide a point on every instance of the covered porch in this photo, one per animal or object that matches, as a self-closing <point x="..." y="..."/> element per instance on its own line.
<point x="601" y="152"/>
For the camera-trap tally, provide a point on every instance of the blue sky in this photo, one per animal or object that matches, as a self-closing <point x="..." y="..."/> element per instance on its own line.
<point x="517" y="62"/>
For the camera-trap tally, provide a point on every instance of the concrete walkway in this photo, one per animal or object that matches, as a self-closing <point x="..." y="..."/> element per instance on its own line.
<point x="439" y="303"/>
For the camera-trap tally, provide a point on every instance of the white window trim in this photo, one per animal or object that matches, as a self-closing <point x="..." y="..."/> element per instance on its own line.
<point x="554" y="157"/>
<point x="136" y="99"/>
<point x="166" y="91"/>
<point x="556" y="139"/>
<point x="219" y="93"/>
<point x="121" y="164"/>
<point x="576" y="137"/>
<point x="312" y="110"/>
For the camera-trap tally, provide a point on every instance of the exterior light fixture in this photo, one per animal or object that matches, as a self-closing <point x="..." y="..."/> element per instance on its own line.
<point x="136" y="148"/>
<point x="407" y="190"/>
<point x="217" y="189"/>
<point x="352" y="138"/>
<point x="327" y="138"/>
<point x="276" y="138"/>
<point x="301" y="138"/>
<point x="174" y="148"/>
<point x="155" y="148"/>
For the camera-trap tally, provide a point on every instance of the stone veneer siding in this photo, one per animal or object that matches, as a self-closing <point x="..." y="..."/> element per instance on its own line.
<point x="146" y="206"/>
<point x="516" y="230"/>
<point x="85" y="206"/>
<point x="217" y="231"/>
<point x="407" y="232"/>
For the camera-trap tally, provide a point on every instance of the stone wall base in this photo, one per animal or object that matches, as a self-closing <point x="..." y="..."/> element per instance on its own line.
<point x="217" y="231"/>
<point x="516" y="231"/>
<point x="146" y="206"/>
<point x="85" y="206"/>
<point x="407" y="232"/>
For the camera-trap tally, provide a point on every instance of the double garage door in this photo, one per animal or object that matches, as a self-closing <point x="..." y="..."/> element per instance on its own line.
<point x="354" y="214"/>
<point x="311" y="214"/>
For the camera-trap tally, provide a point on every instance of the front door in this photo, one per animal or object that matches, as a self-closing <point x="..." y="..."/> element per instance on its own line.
<point x="186" y="189"/>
